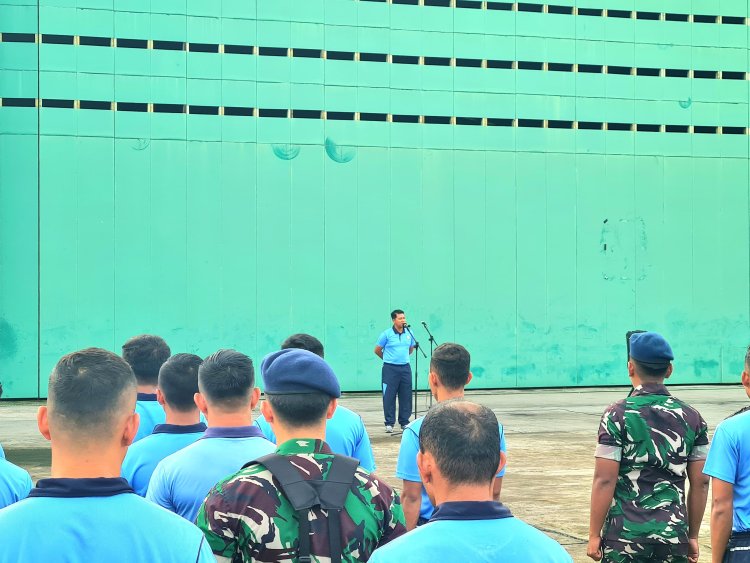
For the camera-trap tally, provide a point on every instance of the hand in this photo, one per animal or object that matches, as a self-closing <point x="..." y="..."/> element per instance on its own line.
<point x="594" y="549"/>
<point x="693" y="550"/>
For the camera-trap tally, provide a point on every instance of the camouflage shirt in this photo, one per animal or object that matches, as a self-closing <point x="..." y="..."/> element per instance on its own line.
<point x="653" y="435"/>
<point x="246" y="518"/>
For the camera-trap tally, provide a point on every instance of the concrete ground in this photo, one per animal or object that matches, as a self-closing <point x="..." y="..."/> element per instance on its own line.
<point x="551" y="436"/>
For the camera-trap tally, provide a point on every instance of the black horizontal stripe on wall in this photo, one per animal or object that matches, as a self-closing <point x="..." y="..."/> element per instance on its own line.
<point x="521" y="122"/>
<point x="19" y="38"/>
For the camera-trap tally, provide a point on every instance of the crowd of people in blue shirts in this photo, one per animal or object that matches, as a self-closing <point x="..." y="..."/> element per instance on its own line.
<point x="161" y="457"/>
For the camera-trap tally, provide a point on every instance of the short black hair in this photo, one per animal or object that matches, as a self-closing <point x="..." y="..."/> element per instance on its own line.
<point x="464" y="439"/>
<point x="395" y="313"/>
<point x="178" y="381"/>
<point x="299" y="409"/>
<point x="227" y="378"/>
<point x="146" y="353"/>
<point x="452" y="363"/>
<point x="304" y="342"/>
<point x="747" y="358"/>
<point x="89" y="389"/>
<point x="648" y="372"/>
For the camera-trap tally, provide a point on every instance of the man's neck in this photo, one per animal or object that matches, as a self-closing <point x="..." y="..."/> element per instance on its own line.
<point x="284" y="434"/>
<point x="99" y="461"/>
<point x="147" y="388"/>
<point x="228" y="420"/>
<point x="450" y="492"/>
<point x="444" y="394"/>
<point x="181" y="418"/>
<point x="399" y="329"/>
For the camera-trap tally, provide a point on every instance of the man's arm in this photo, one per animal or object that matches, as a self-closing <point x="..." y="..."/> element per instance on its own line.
<point x="696" y="504"/>
<point x="722" y="497"/>
<point x="497" y="484"/>
<point x="379" y="352"/>
<point x="602" y="493"/>
<point x="411" y="500"/>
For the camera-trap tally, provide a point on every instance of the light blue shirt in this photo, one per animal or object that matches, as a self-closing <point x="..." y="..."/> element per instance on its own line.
<point x="142" y="458"/>
<point x="406" y="466"/>
<point x="151" y="413"/>
<point x="85" y="520"/>
<point x="729" y="460"/>
<point x="395" y="346"/>
<point x="2" y="452"/>
<point x="345" y="435"/>
<point x="15" y="484"/>
<point x="480" y="532"/>
<point x="182" y="480"/>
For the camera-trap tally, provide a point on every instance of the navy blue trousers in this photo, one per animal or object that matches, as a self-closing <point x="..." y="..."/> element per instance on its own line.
<point x="738" y="550"/>
<point x="396" y="383"/>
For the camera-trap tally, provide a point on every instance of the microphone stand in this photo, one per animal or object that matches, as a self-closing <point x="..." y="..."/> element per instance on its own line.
<point x="416" y="367"/>
<point x="433" y="343"/>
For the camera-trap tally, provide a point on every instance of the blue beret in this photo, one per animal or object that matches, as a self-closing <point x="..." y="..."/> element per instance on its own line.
<point x="298" y="371"/>
<point x="651" y="349"/>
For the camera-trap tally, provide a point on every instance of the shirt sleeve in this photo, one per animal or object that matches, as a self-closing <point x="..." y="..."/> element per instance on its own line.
<point x="217" y="525"/>
<point x="382" y="340"/>
<point x="723" y="458"/>
<point x="610" y="435"/>
<point x="406" y="466"/>
<point x="363" y="449"/>
<point x="502" y="448"/>
<point x="158" y="489"/>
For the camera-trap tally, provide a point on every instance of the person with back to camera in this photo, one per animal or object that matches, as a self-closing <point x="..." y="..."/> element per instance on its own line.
<point x="649" y="443"/>
<point x="86" y="512"/>
<point x="459" y="456"/>
<point x="15" y="482"/>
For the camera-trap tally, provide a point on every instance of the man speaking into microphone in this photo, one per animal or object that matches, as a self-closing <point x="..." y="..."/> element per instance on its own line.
<point x="393" y="347"/>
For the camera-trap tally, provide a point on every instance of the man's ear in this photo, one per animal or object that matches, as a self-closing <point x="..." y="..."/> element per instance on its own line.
<point x="331" y="409"/>
<point x="669" y="371"/>
<point x="131" y="429"/>
<point x="631" y="368"/>
<point x="254" y="397"/>
<point x="468" y="379"/>
<point x="267" y="411"/>
<point x="200" y="402"/>
<point x="503" y="461"/>
<point x="160" y="397"/>
<point x="426" y="466"/>
<point x="42" y="421"/>
<point x="746" y="379"/>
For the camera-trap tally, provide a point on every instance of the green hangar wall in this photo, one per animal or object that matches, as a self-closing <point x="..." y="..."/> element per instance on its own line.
<point x="533" y="180"/>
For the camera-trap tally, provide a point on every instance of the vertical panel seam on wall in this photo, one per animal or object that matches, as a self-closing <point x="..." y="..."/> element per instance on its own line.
<point x="38" y="209"/>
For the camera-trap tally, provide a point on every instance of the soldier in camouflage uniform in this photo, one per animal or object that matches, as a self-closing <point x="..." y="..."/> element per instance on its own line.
<point x="247" y="518"/>
<point x="648" y="443"/>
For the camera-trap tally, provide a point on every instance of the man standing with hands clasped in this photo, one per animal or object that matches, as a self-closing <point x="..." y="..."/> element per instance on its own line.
<point x="393" y="347"/>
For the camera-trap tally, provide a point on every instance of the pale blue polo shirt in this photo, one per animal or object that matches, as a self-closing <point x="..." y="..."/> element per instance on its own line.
<point x="166" y="439"/>
<point x="406" y="466"/>
<point x="395" y="346"/>
<point x="15" y="484"/>
<point x="100" y="519"/>
<point x="472" y="531"/>
<point x="729" y="460"/>
<point x="182" y="480"/>
<point x="151" y="413"/>
<point x="345" y="435"/>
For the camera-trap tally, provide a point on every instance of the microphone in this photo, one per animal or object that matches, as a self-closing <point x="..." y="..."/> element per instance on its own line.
<point x="424" y="324"/>
<point x="407" y="325"/>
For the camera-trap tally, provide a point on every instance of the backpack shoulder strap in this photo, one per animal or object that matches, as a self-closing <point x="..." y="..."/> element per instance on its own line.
<point x="333" y="493"/>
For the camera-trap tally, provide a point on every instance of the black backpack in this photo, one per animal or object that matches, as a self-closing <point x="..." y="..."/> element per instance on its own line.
<point x="329" y="494"/>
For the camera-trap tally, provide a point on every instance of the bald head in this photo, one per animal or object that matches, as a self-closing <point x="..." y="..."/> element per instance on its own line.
<point x="464" y="439"/>
<point x="89" y="393"/>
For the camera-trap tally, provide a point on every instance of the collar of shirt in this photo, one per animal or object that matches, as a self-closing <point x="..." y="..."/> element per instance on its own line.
<point x="470" y="510"/>
<point x="400" y="334"/>
<point x="147" y="396"/>
<point x="303" y="446"/>
<point x="75" y="488"/>
<point x="233" y="432"/>
<point x="179" y="428"/>
<point x="650" y="389"/>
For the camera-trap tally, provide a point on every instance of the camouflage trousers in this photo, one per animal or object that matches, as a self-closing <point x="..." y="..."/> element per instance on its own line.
<point x="619" y="552"/>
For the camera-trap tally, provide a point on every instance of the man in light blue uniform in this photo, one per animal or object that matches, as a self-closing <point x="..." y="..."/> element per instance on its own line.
<point x="86" y="511"/>
<point x="393" y="347"/>
<point x="458" y="460"/>
<point x="15" y="483"/>
<point x="178" y="384"/>
<point x="728" y="464"/>
<point x="146" y="353"/>
<point x="449" y="374"/>
<point x="345" y="432"/>
<point x="227" y="395"/>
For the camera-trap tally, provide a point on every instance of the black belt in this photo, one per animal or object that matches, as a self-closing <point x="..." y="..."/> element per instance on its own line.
<point x="740" y="535"/>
